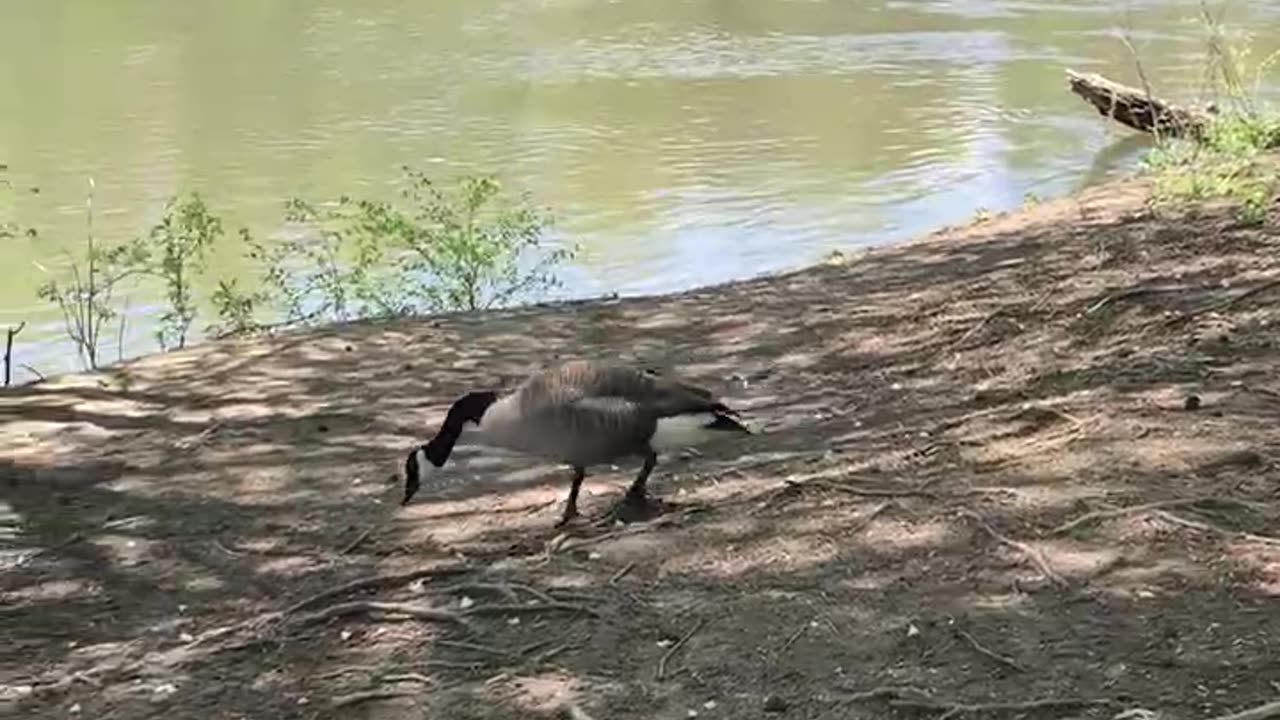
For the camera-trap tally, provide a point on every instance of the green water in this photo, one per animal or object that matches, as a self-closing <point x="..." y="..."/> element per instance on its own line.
<point x="681" y="142"/>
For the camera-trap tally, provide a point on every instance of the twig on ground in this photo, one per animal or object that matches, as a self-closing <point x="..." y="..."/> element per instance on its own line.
<point x="362" y="607"/>
<point x="221" y="632"/>
<point x="626" y="569"/>
<point x="1261" y="712"/>
<point x="474" y="647"/>
<point x="535" y="592"/>
<point x="545" y="656"/>
<point x="222" y="546"/>
<point x="1274" y="395"/>
<point x="506" y="590"/>
<point x="344" y="670"/>
<point x="409" y="677"/>
<point x="72" y="539"/>
<point x="401" y="672"/>
<point x="359" y="539"/>
<point x="882" y="692"/>
<point x="666" y="658"/>
<point x="1006" y="661"/>
<point x="1214" y="529"/>
<point x="950" y="710"/>
<point x="531" y="647"/>
<point x="910" y="697"/>
<point x="576" y="543"/>
<point x="791" y="639"/>
<point x="1132" y="293"/>
<point x="369" y="695"/>
<point x="870" y="517"/>
<point x="1027" y="551"/>
<point x="1043" y="299"/>
<point x="1225" y="304"/>
<point x="449" y="665"/>
<point x="1264" y="287"/>
<point x="543" y="607"/>
<point x="976" y="328"/>
<point x="865" y="492"/>
<point x="497" y="588"/>
<point x="1121" y="512"/>
<point x="377" y="581"/>
<point x="573" y="712"/>
<point x="532" y="509"/>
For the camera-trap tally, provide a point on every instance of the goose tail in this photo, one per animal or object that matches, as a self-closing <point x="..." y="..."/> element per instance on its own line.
<point x="724" y="418"/>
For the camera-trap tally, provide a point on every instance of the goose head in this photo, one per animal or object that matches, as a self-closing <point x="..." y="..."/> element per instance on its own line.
<point x="425" y="459"/>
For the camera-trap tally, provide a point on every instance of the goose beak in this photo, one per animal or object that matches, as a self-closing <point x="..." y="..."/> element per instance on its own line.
<point x="416" y="470"/>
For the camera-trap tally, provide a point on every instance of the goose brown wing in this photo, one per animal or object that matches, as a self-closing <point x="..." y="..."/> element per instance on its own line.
<point x="599" y="428"/>
<point x="580" y="379"/>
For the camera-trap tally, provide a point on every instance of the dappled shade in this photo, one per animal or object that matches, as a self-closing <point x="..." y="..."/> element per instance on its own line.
<point x="975" y="477"/>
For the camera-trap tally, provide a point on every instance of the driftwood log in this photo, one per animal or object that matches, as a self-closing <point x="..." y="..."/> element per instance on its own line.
<point x="1138" y="109"/>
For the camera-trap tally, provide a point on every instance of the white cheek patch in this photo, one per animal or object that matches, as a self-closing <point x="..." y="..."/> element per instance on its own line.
<point x="425" y="468"/>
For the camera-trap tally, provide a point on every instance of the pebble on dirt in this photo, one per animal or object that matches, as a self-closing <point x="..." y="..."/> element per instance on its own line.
<point x="775" y="704"/>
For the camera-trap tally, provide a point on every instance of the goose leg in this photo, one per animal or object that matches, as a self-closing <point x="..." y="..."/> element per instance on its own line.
<point x="571" y="504"/>
<point x="636" y="504"/>
<point x="637" y="491"/>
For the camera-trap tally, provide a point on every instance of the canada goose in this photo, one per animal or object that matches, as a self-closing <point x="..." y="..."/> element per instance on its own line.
<point x="582" y="413"/>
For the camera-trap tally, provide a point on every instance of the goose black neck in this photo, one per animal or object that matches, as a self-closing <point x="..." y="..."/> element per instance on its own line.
<point x="469" y="408"/>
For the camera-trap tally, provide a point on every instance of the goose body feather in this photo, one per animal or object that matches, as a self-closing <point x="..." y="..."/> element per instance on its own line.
<point x="584" y="413"/>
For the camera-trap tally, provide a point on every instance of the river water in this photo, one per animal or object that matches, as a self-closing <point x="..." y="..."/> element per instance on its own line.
<point x="680" y="142"/>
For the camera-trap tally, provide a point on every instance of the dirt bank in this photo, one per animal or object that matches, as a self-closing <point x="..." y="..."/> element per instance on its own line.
<point x="930" y="414"/>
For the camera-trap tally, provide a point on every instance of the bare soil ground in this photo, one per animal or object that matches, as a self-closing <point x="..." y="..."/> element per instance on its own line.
<point x="981" y="480"/>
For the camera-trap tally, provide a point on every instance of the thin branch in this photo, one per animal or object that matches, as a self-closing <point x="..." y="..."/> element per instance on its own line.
<point x="1261" y="712"/>
<point x="546" y="655"/>
<point x="375" y="582"/>
<point x="626" y="570"/>
<point x="1214" y="529"/>
<point x="474" y="647"/>
<point x="409" y="677"/>
<point x="977" y="328"/>
<point x="1132" y="293"/>
<point x="1121" y="512"/>
<point x="1006" y="661"/>
<point x="367" y="695"/>
<point x="1225" y="304"/>
<point x="870" y="517"/>
<point x="357" y="542"/>
<point x="865" y="492"/>
<point x="1027" y="551"/>
<point x="543" y="607"/>
<point x="881" y="693"/>
<point x="504" y="589"/>
<point x="359" y="607"/>
<point x="573" y="712"/>
<point x="791" y="639"/>
<point x="910" y="697"/>
<point x="565" y="543"/>
<point x="666" y="658"/>
<point x="950" y="710"/>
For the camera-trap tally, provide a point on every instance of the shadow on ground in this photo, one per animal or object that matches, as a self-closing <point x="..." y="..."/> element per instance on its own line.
<point x="895" y="543"/>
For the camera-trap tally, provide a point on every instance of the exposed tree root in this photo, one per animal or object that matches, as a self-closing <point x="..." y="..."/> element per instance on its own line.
<point x="1027" y="551"/>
